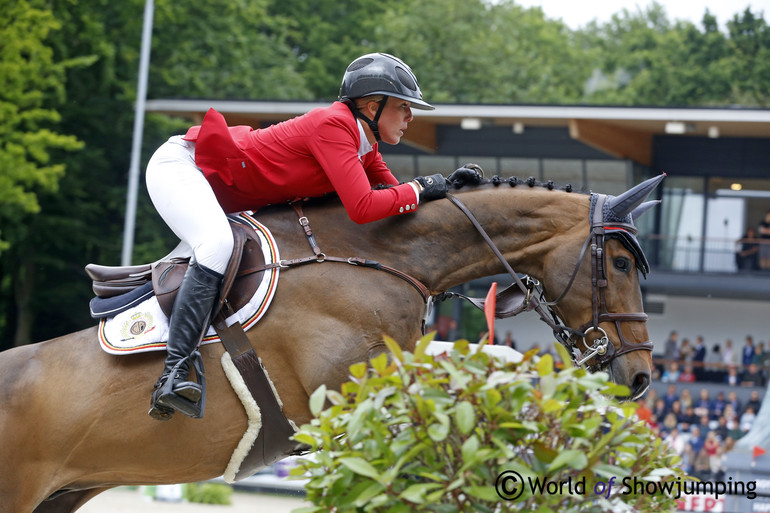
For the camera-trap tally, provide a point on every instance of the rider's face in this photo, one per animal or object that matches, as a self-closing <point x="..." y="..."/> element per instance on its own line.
<point x="394" y="119"/>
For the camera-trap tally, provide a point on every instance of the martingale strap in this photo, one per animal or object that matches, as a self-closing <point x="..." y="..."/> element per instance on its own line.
<point x="320" y="257"/>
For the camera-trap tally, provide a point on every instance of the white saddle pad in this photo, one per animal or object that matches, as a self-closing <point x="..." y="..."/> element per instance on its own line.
<point x="145" y="327"/>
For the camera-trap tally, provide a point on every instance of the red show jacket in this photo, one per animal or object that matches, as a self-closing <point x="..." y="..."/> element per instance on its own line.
<point x="307" y="156"/>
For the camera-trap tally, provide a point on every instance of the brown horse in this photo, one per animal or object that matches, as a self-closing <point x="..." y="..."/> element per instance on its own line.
<point x="73" y="419"/>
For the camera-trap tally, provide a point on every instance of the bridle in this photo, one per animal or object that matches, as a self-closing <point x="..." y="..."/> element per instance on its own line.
<point x="602" y="351"/>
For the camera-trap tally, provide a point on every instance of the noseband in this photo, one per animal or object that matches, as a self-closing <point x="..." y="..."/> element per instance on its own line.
<point x="601" y="350"/>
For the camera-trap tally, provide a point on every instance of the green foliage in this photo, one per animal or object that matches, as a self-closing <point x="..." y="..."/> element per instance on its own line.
<point x="483" y="52"/>
<point x="31" y="84"/>
<point x="208" y="493"/>
<point x="642" y="58"/>
<point x="415" y="432"/>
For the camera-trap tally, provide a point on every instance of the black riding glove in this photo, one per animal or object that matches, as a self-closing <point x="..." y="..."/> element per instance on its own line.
<point x="432" y="187"/>
<point x="469" y="174"/>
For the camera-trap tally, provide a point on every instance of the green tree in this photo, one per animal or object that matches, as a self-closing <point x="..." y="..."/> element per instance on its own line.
<point x="223" y="49"/>
<point x="750" y="60"/>
<point x="642" y="58"/>
<point x="31" y="85"/>
<point x="479" y="52"/>
<point x="324" y="36"/>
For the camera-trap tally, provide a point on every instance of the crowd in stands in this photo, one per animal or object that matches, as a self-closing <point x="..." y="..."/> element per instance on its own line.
<point x="702" y="428"/>
<point x="689" y="363"/>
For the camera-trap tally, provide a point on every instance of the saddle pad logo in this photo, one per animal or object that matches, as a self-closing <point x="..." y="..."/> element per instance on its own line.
<point x="137" y="325"/>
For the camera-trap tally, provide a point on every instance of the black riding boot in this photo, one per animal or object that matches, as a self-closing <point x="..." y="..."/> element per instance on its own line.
<point x="189" y="321"/>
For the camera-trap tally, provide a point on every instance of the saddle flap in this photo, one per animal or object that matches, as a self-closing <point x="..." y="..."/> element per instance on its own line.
<point x="167" y="276"/>
<point x="105" y="273"/>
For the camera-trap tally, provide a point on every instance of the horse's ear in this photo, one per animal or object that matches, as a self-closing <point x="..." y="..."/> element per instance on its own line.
<point x="644" y="207"/>
<point x="623" y="205"/>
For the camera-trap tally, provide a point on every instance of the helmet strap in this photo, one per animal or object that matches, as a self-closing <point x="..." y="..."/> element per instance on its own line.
<point x="373" y="123"/>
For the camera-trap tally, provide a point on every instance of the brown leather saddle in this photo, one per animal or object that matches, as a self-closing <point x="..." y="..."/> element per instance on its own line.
<point x="243" y="275"/>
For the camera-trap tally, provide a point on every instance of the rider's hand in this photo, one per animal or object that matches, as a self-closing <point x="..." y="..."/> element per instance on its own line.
<point x="469" y="174"/>
<point x="432" y="187"/>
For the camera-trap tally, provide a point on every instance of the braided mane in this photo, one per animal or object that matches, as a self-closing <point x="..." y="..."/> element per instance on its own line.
<point x="513" y="181"/>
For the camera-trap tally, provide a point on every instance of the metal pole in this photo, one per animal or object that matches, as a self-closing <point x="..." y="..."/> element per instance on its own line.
<point x="136" y="147"/>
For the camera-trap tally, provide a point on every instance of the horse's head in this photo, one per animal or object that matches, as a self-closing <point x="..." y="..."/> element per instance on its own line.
<point x="600" y="299"/>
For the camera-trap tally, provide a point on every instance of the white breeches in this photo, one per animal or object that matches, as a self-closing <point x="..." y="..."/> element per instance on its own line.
<point x="184" y="199"/>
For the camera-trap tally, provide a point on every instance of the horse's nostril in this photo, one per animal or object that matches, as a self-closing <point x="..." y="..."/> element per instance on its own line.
<point x="640" y="384"/>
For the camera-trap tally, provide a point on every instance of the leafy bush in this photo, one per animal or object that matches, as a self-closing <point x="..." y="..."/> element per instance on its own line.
<point x="208" y="493"/>
<point x="469" y="433"/>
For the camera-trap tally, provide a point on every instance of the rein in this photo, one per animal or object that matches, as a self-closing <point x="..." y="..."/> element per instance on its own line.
<point x="601" y="349"/>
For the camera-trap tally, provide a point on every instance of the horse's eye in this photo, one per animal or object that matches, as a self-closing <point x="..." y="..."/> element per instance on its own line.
<point x="622" y="264"/>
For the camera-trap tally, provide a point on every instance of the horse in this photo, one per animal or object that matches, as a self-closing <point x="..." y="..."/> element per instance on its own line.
<point x="73" y="419"/>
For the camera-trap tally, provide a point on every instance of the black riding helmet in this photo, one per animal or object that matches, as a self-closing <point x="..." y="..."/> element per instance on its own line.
<point x="380" y="73"/>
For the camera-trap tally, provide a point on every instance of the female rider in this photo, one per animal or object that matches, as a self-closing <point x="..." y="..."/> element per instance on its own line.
<point x="195" y="179"/>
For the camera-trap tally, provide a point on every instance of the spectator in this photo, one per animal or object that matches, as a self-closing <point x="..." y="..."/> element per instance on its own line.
<point x="676" y="440"/>
<point x="761" y="357"/>
<point x="688" y="419"/>
<point x="731" y="417"/>
<point x="722" y="431"/>
<point x="660" y="408"/>
<point x="669" y="422"/>
<point x="706" y="424"/>
<point x="697" y="438"/>
<point x="688" y="458"/>
<point x="676" y="409"/>
<point x="702" y="466"/>
<point x="671" y="397"/>
<point x="752" y="377"/>
<point x="719" y="405"/>
<point x="713" y="364"/>
<point x="754" y="401"/>
<point x="704" y="405"/>
<point x="685" y="398"/>
<point x="733" y="379"/>
<point x="642" y="411"/>
<point x="747" y="420"/>
<point x="698" y="357"/>
<point x="508" y="341"/>
<point x="671" y="349"/>
<point x="729" y="355"/>
<point x="687" y="376"/>
<point x="748" y="351"/>
<point x="671" y="375"/>
<point x="686" y="351"/>
<point x="763" y="230"/>
<point x="732" y="400"/>
<point x="711" y="445"/>
<point x="747" y="251"/>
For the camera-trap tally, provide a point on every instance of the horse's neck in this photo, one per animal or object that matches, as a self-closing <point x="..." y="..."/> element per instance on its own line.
<point x="526" y="224"/>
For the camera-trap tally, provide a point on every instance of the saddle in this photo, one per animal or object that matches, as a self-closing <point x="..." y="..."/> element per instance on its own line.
<point x="119" y="288"/>
<point x="242" y="277"/>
